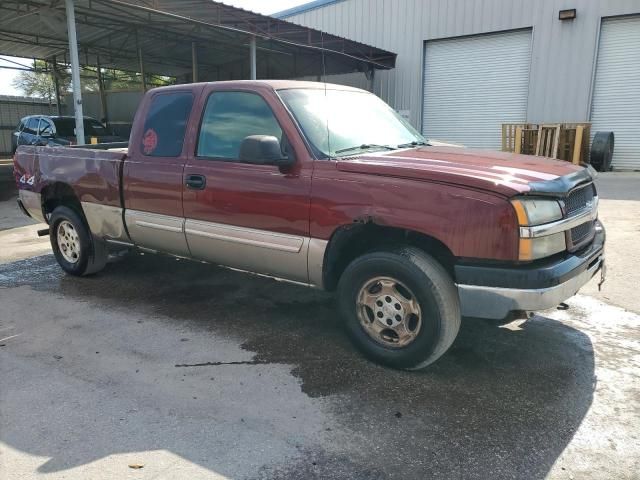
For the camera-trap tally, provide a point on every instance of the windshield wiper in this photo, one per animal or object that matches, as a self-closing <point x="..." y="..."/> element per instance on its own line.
<point x="364" y="146"/>
<point x="412" y="144"/>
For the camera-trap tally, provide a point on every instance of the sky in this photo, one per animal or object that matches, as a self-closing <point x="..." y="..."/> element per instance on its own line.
<point x="266" y="7"/>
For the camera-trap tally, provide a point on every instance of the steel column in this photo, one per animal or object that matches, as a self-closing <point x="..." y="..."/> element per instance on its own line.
<point x="141" y="63"/>
<point x="56" y="84"/>
<point x="75" y="71"/>
<point x="103" y="98"/>
<point x="252" y="58"/>
<point x="194" y="62"/>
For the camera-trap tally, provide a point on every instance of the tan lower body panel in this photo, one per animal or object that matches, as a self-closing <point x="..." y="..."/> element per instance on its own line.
<point x="315" y="261"/>
<point x="105" y="221"/>
<point x="289" y="257"/>
<point x="157" y="232"/>
<point x="32" y="203"/>
<point x="260" y="251"/>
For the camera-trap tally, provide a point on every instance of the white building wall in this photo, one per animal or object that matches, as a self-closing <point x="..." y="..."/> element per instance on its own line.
<point x="563" y="52"/>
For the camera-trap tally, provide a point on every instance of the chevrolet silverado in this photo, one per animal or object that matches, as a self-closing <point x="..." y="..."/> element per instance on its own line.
<point x="325" y="185"/>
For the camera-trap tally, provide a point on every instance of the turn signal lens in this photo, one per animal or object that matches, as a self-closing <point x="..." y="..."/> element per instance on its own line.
<point x="540" y="247"/>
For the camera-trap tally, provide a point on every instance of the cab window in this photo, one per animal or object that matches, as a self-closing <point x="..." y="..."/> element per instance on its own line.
<point x="166" y="123"/>
<point x="230" y="117"/>
<point x="31" y="126"/>
<point x="46" y="128"/>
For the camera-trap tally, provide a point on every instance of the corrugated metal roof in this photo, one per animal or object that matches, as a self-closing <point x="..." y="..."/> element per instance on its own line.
<point x="305" y="7"/>
<point x="112" y="30"/>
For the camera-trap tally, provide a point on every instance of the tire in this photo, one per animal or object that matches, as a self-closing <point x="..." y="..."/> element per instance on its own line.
<point x="433" y="326"/>
<point x="602" y="151"/>
<point x="78" y="252"/>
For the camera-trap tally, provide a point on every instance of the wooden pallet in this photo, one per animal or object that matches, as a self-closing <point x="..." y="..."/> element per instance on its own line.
<point x="564" y="141"/>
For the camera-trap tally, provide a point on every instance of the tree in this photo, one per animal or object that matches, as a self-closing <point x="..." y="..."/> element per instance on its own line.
<point x="39" y="82"/>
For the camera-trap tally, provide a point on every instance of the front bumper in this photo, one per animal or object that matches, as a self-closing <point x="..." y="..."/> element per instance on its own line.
<point x="495" y="292"/>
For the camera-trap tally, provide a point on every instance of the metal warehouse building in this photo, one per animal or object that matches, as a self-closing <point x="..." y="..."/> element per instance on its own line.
<point x="464" y="67"/>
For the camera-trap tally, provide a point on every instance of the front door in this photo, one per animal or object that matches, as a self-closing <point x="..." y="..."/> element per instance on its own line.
<point x="247" y="216"/>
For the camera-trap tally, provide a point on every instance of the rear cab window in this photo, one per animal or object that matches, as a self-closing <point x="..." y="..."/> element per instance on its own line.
<point x="165" y="124"/>
<point x="65" y="127"/>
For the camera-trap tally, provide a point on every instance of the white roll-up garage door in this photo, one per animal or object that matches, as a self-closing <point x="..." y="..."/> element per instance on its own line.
<point x="616" y="93"/>
<point x="472" y="85"/>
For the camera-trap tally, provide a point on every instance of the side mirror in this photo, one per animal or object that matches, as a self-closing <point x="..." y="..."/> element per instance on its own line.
<point x="264" y="150"/>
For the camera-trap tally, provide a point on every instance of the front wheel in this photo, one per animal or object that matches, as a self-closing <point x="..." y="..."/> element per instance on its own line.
<point x="77" y="251"/>
<point x="401" y="307"/>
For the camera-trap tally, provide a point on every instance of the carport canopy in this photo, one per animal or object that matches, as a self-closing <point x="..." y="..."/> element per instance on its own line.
<point x="192" y="40"/>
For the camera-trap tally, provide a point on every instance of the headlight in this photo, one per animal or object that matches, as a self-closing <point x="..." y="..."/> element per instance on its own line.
<point x="536" y="211"/>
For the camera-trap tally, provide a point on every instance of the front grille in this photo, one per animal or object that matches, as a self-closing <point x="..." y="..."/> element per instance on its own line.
<point x="578" y="199"/>
<point x="580" y="233"/>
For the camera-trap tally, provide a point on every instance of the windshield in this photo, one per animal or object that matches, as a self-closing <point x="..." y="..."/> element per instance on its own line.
<point x="344" y="122"/>
<point x="66" y="127"/>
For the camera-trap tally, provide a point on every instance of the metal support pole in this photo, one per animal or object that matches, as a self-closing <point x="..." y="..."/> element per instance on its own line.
<point x="56" y="84"/>
<point x="75" y="71"/>
<point x="104" y="117"/>
<point x="372" y="78"/>
<point x="252" y="57"/>
<point x="194" y="62"/>
<point x="141" y="62"/>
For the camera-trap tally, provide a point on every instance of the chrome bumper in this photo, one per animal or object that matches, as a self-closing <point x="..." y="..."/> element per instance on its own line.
<point x="482" y="301"/>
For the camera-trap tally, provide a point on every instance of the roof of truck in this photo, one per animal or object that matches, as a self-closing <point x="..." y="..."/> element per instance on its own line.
<point x="274" y="84"/>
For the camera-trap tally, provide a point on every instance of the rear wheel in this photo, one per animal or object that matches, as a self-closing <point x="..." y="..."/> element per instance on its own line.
<point x="401" y="307"/>
<point x="77" y="251"/>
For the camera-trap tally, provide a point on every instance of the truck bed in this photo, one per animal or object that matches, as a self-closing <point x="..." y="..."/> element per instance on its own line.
<point x="94" y="174"/>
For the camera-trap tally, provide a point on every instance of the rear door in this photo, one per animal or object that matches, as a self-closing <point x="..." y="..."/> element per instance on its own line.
<point x="252" y="217"/>
<point x="152" y="177"/>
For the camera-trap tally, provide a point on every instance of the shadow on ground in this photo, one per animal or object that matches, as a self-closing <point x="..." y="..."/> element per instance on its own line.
<point x="499" y="404"/>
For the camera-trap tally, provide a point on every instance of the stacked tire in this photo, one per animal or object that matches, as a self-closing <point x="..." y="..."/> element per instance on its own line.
<point x="602" y="151"/>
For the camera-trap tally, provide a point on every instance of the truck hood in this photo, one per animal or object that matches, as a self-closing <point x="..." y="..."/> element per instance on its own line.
<point x="505" y="173"/>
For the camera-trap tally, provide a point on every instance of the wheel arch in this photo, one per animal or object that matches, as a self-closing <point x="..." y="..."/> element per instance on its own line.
<point x="351" y="241"/>
<point x="55" y="194"/>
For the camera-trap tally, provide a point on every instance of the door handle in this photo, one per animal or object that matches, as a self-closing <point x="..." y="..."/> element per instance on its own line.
<point x="196" y="182"/>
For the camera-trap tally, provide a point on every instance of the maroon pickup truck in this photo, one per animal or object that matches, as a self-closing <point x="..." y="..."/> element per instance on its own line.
<point x="326" y="186"/>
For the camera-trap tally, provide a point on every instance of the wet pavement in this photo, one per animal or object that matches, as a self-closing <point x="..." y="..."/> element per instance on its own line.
<point x="185" y="367"/>
<point x="194" y="371"/>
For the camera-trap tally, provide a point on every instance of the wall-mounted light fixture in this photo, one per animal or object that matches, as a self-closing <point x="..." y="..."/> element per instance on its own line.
<point x="567" y="14"/>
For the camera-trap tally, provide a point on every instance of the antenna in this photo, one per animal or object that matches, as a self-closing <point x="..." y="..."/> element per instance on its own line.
<point x="324" y="79"/>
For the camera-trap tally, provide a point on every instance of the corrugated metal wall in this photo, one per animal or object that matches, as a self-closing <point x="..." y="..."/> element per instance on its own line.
<point x="475" y="84"/>
<point x="616" y="93"/>
<point x="563" y="53"/>
<point x="12" y="109"/>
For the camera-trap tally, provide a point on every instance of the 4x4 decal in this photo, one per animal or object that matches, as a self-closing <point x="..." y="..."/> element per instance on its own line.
<point x="27" y="179"/>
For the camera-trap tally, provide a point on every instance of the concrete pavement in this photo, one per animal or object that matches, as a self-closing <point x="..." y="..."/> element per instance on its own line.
<point x="620" y="212"/>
